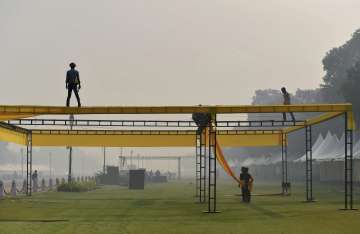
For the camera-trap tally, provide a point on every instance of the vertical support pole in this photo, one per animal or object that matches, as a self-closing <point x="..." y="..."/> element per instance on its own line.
<point x="203" y="167"/>
<point x="284" y="165"/>
<point x="308" y="163"/>
<point x="212" y="166"/>
<point x="70" y="151"/>
<point x="22" y="163"/>
<point x="348" y="161"/>
<point x="104" y="163"/>
<point x="50" y="165"/>
<point x="70" y="164"/>
<point x="29" y="164"/>
<point x="197" y="165"/>
<point x="179" y="168"/>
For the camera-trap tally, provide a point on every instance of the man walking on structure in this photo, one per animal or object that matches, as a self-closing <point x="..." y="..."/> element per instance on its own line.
<point x="287" y="101"/>
<point x="73" y="84"/>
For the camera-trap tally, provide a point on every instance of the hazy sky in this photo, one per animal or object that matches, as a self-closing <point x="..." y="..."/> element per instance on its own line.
<point x="166" y="52"/>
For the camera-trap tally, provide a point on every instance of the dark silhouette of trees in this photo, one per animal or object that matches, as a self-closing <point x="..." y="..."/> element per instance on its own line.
<point x="351" y="89"/>
<point x="341" y="83"/>
<point x="336" y="64"/>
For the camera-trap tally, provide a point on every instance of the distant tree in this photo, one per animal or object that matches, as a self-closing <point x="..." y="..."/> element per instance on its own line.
<point x="307" y="96"/>
<point x="267" y="96"/>
<point x="274" y="97"/>
<point x="336" y="63"/>
<point x="351" y="89"/>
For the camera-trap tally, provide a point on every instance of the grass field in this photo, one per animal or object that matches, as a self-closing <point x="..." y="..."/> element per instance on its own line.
<point x="171" y="208"/>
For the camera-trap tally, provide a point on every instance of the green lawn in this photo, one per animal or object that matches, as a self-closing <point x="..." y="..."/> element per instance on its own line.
<point x="171" y="208"/>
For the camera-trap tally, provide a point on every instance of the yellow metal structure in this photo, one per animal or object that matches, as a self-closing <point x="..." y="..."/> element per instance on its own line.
<point x="4" y="117"/>
<point x="315" y="120"/>
<point x="97" y="138"/>
<point x="93" y="138"/>
<point x="20" y="111"/>
<point x="148" y="139"/>
<point x="13" y="136"/>
<point x="350" y="120"/>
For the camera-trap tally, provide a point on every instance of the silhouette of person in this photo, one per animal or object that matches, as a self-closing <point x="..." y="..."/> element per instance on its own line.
<point x="287" y="101"/>
<point x="246" y="181"/>
<point x="34" y="177"/>
<point x="73" y="84"/>
<point x="202" y="120"/>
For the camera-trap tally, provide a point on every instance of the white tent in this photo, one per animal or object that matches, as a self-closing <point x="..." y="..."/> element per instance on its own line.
<point x="330" y="147"/>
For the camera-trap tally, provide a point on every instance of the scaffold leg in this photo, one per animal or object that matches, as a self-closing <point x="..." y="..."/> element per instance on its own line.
<point x="203" y="168"/>
<point x="29" y="164"/>
<point x="348" y="163"/>
<point x="212" y="171"/>
<point x="308" y="164"/>
<point x="284" y="166"/>
<point x="197" y="165"/>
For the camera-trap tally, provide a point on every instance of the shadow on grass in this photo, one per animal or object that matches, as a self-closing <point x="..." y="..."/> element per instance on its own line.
<point x="34" y="220"/>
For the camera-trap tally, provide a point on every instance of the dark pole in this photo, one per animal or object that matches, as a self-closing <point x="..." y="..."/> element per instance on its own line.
<point x="70" y="163"/>
<point x="282" y="165"/>
<point x="198" y="166"/>
<point x="22" y="163"/>
<point x="286" y="164"/>
<point x="348" y="161"/>
<point x="50" y="165"/>
<point x="104" y="167"/>
<point x="29" y="164"/>
<point x="179" y="168"/>
<point x="212" y="166"/>
<point x="308" y="163"/>
<point x="70" y="151"/>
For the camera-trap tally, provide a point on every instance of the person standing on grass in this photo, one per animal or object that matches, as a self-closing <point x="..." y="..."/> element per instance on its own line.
<point x="73" y="84"/>
<point x="246" y="181"/>
<point x="34" y="178"/>
<point x="287" y="101"/>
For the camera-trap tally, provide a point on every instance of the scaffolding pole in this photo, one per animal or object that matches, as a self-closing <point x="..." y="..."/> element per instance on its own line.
<point x="179" y="168"/>
<point x="70" y="151"/>
<point x="29" y="164"/>
<point x="348" y="161"/>
<point x="308" y="164"/>
<point x="284" y="165"/>
<point x="212" y="167"/>
<point x="197" y="166"/>
<point x="203" y="168"/>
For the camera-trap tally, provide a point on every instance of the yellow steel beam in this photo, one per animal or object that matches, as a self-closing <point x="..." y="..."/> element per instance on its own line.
<point x="12" y="135"/>
<point x="249" y="140"/>
<point x="114" y="140"/>
<point x="350" y="120"/>
<point x="314" y="120"/>
<point x="96" y="138"/>
<point x="4" y="117"/>
<point x="220" y="109"/>
<point x="149" y="132"/>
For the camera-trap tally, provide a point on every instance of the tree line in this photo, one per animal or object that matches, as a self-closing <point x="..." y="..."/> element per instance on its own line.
<point x="341" y="82"/>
